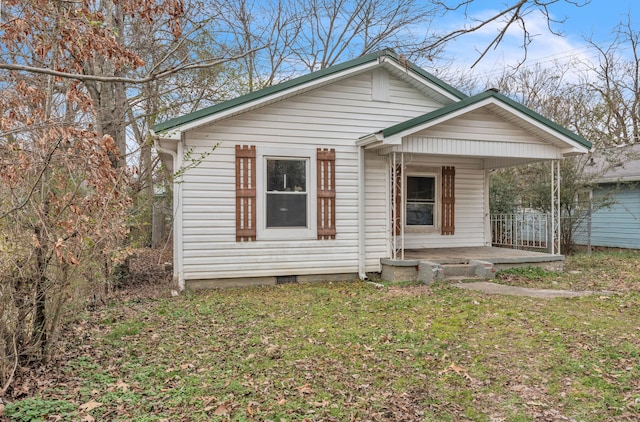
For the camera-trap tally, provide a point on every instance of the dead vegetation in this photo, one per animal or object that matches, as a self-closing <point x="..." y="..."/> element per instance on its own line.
<point x="342" y="351"/>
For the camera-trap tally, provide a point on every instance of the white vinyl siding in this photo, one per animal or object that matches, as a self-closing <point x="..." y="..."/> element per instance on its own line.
<point x="469" y="216"/>
<point x="377" y="217"/>
<point x="469" y="207"/>
<point x="478" y="133"/>
<point x="333" y="116"/>
<point x="481" y="125"/>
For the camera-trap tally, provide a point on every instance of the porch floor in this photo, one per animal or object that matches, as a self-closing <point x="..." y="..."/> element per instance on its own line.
<point x="428" y="265"/>
<point x="482" y="253"/>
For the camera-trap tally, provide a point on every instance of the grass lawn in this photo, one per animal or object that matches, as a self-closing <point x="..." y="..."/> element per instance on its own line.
<point x="354" y="351"/>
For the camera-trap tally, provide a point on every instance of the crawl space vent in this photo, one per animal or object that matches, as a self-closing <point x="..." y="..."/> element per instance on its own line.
<point x="286" y="279"/>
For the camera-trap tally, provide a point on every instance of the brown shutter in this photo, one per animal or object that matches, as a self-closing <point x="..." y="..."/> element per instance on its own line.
<point x="448" y="200"/>
<point x="245" y="193"/>
<point x="326" y="168"/>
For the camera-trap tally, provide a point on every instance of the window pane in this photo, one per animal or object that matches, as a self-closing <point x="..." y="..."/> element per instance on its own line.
<point x="419" y="214"/>
<point x="286" y="210"/>
<point x="422" y="188"/>
<point x="286" y="176"/>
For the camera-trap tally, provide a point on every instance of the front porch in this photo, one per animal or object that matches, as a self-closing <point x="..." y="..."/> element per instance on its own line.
<point x="428" y="265"/>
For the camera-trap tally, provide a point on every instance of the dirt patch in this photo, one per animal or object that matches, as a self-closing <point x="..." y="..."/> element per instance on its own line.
<point x="416" y="290"/>
<point x="493" y="288"/>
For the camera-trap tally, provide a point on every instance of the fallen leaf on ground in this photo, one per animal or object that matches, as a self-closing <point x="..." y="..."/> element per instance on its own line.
<point x="458" y="370"/>
<point x="221" y="410"/>
<point x="305" y="389"/>
<point x="121" y="385"/>
<point x="252" y="407"/>
<point x="89" y="406"/>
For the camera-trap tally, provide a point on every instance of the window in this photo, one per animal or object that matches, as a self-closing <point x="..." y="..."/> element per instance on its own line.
<point x="429" y="201"/>
<point x="286" y="193"/>
<point x="421" y="200"/>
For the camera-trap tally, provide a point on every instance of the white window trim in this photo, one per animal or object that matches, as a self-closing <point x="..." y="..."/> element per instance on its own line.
<point x="437" y="203"/>
<point x="285" y="233"/>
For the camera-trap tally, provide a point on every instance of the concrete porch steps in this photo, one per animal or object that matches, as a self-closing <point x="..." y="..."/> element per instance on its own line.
<point x="458" y="270"/>
<point x="429" y="271"/>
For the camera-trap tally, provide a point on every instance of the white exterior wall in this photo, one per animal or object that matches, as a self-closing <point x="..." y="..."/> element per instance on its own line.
<point x="469" y="215"/>
<point x="481" y="134"/>
<point x="377" y="211"/>
<point x="330" y="117"/>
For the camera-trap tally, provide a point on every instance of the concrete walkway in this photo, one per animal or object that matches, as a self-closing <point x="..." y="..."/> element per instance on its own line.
<point x="493" y="288"/>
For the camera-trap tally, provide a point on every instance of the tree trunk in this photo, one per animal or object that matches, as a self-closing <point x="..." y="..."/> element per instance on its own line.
<point x="39" y="307"/>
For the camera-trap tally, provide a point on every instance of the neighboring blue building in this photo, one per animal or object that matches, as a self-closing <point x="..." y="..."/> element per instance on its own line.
<point x="617" y="225"/>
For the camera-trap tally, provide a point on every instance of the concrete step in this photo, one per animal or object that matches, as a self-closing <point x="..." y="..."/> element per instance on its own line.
<point x="458" y="270"/>
<point x="429" y="271"/>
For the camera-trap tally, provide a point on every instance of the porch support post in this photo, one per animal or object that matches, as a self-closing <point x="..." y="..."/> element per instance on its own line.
<point x="402" y="202"/>
<point x="397" y="201"/>
<point x="394" y="187"/>
<point x="555" y="207"/>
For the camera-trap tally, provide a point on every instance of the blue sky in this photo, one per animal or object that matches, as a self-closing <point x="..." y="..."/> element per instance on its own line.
<point x="597" y="19"/>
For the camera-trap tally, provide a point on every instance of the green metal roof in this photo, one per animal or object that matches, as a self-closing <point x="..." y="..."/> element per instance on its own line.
<point x="318" y="75"/>
<point x="451" y="108"/>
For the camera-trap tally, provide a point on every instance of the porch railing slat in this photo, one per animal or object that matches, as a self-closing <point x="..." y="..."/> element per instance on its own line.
<point x="526" y="230"/>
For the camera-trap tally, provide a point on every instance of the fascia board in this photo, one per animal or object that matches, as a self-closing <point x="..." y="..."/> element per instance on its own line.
<point x="370" y="139"/>
<point x="169" y="135"/>
<point x="574" y="146"/>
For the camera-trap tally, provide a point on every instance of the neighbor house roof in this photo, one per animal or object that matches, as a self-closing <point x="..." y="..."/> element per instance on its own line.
<point x="614" y="165"/>
<point x="318" y="76"/>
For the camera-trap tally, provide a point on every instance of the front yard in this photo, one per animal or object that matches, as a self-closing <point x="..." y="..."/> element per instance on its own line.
<point x="356" y="351"/>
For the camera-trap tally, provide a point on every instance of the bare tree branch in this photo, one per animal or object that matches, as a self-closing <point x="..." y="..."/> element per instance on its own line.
<point x="148" y="78"/>
<point x="513" y="14"/>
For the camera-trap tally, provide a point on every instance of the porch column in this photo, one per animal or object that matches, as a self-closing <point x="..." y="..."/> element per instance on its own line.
<point x="555" y="207"/>
<point x="397" y="203"/>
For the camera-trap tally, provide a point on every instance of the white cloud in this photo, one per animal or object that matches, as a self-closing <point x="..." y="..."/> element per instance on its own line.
<point x="545" y="47"/>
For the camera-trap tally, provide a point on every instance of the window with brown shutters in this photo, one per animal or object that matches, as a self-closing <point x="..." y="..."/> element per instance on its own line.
<point x="448" y="200"/>
<point x="326" y="181"/>
<point x="245" y="193"/>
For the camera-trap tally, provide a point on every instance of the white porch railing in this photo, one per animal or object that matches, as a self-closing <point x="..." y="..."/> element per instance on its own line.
<point x="526" y="230"/>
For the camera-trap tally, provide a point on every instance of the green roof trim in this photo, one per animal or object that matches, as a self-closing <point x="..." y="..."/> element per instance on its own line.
<point x="451" y="108"/>
<point x="292" y="83"/>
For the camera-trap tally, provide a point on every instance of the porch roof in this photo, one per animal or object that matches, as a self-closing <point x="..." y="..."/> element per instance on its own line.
<point x="497" y="104"/>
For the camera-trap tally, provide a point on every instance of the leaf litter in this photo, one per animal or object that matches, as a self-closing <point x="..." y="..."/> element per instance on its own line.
<point x="348" y="351"/>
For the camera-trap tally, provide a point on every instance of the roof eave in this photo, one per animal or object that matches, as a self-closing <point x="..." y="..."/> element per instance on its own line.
<point x="305" y="82"/>
<point x="167" y="135"/>
<point x="254" y="100"/>
<point x="575" y="143"/>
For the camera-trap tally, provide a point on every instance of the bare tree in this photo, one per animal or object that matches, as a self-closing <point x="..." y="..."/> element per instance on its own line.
<point x="615" y="80"/>
<point x="514" y="13"/>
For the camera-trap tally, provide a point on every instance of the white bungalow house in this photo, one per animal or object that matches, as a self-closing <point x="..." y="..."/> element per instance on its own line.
<point x="330" y="174"/>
